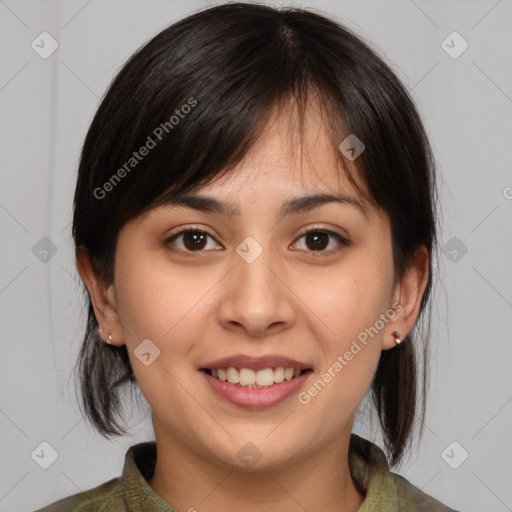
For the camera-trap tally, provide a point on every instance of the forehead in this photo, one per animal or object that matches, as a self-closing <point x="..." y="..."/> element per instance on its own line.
<point x="291" y="154"/>
<point x="293" y="167"/>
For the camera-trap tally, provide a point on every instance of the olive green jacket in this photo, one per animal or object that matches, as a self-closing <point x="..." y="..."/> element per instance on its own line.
<point x="384" y="491"/>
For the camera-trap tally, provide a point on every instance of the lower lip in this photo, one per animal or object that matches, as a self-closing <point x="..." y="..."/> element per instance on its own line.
<point x="256" y="398"/>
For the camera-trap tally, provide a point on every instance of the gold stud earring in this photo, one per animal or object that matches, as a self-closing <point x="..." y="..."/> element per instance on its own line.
<point x="396" y="334"/>
<point x="109" y="339"/>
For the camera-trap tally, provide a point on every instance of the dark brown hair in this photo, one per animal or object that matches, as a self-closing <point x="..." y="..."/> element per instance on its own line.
<point x="231" y="65"/>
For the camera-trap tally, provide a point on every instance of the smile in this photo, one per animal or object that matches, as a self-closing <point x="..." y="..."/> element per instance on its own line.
<point x="254" y="379"/>
<point x="247" y="393"/>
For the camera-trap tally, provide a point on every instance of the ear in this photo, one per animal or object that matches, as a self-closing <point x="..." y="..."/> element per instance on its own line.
<point x="407" y="296"/>
<point x="102" y="298"/>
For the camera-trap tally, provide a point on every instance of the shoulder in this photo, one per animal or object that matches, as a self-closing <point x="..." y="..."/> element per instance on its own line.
<point x="130" y="491"/>
<point x="412" y="499"/>
<point x="384" y="490"/>
<point x="106" y="497"/>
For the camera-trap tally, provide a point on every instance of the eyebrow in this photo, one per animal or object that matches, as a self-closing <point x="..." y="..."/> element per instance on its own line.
<point x="289" y="207"/>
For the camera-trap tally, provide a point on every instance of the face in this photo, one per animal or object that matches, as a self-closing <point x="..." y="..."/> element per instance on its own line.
<point x="252" y="283"/>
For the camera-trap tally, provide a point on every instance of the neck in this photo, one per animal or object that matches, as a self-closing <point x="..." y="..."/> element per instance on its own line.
<point x="320" y="481"/>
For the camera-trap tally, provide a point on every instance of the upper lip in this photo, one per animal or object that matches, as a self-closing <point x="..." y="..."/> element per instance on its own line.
<point x="255" y="363"/>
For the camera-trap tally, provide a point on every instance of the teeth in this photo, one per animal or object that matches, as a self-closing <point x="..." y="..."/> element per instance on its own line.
<point x="247" y="376"/>
<point x="260" y="378"/>
<point x="233" y="376"/>
<point x="265" y="377"/>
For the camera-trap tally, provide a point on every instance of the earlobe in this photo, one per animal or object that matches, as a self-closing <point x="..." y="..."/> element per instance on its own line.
<point x="101" y="296"/>
<point x="408" y="294"/>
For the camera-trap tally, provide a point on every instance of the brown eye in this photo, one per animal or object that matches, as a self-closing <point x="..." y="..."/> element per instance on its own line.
<point x="191" y="240"/>
<point x="315" y="240"/>
<point x="318" y="240"/>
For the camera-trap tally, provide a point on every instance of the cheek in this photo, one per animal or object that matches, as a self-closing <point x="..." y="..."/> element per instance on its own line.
<point x="160" y="301"/>
<point x="150" y="299"/>
<point x="347" y="307"/>
<point x="152" y="303"/>
<point x="351" y="297"/>
<point x="344" y="318"/>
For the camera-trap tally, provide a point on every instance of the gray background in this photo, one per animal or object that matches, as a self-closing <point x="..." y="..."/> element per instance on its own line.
<point x="46" y="107"/>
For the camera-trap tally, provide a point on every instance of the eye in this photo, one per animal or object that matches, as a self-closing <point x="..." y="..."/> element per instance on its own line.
<point x="317" y="240"/>
<point x="192" y="240"/>
<point x="196" y="240"/>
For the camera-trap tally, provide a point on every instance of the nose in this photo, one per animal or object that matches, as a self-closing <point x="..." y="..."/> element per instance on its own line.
<point x="256" y="297"/>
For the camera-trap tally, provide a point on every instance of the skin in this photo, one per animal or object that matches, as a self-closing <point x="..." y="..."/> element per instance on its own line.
<point x="290" y="301"/>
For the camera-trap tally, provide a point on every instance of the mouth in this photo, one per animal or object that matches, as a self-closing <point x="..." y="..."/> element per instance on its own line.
<point x="255" y="378"/>
<point x="256" y="382"/>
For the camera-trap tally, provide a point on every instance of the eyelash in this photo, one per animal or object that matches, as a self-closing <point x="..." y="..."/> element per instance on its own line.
<point x="317" y="229"/>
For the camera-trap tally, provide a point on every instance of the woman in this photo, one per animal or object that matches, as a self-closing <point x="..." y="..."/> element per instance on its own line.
<point x="255" y="225"/>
